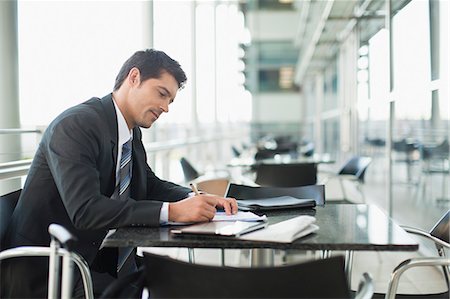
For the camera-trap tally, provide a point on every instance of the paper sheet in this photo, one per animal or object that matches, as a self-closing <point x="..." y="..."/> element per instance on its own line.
<point x="239" y="216"/>
<point x="222" y="216"/>
<point x="285" y="231"/>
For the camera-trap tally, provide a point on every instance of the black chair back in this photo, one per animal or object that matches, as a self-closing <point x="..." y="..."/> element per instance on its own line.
<point x="286" y="175"/>
<point x="356" y="166"/>
<point x="169" y="278"/>
<point x="8" y="203"/>
<point x="441" y="230"/>
<point x="189" y="172"/>
<point x="236" y="152"/>
<point x="316" y="192"/>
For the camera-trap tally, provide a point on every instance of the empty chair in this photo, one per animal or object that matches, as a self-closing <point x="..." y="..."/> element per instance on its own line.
<point x="189" y="172"/>
<point x="316" y="192"/>
<point x="316" y="279"/>
<point x="307" y="149"/>
<point x="236" y="152"/>
<point x="354" y="170"/>
<point x="435" y="161"/>
<point x="286" y="175"/>
<point x="8" y="203"/>
<point x="214" y="186"/>
<point x="440" y="235"/>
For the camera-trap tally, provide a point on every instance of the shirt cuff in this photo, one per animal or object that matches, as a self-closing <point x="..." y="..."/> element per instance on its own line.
<point x="164" y="215"/>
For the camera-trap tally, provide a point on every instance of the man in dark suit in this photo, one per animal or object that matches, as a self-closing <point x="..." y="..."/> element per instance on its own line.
<point x="90" y="174"/>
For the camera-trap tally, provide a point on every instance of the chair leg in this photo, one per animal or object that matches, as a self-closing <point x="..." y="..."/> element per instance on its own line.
<point x="191" y="255"/>
<point x="359" y="187"/>
<point x="445" y="268"/>
<point x="222" y="256"/>
<point x="341" y="183"/>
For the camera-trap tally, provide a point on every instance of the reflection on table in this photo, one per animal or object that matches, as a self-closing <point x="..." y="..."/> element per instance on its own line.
<point x="342" y="227"/>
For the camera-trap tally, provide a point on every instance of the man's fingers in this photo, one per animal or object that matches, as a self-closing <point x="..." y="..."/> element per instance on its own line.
<point x="234" y="205"/>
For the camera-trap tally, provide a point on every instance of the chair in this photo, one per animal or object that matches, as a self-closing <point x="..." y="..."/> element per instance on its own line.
<point x="435" y="161"/>
<point x="407" y="148"/>
<point x="214" y="186"/>
<point x="59" y="247"/>
<point x="236" y="152"/>
<point x="316" y="192"/>
<point x="286" y="175"/>
<point x="316" y="279"/>
<point x="354" y="170"/>
<point x="190" y="173"/>
<point x="8" y="203"/>
<point x="440" y="235"/>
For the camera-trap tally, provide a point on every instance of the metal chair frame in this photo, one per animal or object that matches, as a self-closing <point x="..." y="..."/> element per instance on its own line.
<point x="59" y="238"/>
<point x="441" y="228"/>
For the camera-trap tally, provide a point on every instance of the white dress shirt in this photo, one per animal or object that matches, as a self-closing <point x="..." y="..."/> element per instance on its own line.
<point x="125" y="134"/>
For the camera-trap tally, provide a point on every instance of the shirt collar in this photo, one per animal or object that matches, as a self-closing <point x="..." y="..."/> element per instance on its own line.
<point x="124" y="134"/>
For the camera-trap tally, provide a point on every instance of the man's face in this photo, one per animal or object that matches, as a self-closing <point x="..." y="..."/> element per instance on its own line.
<point x="149" y="99"/>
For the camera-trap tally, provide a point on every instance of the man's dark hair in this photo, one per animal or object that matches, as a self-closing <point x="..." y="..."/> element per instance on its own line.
<point x="151" y="63"/>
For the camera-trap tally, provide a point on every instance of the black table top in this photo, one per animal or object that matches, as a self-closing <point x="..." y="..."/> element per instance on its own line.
<point x="341" y="227"/>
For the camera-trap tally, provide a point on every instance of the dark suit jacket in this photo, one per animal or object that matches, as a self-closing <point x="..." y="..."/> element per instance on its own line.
<point x="70" y="182"/>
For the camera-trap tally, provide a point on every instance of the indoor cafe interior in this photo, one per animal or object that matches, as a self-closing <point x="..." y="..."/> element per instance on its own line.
<point x="340" y="104"/>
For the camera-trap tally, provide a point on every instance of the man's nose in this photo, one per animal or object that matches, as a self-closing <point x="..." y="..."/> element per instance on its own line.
<point x="165" y="106"/>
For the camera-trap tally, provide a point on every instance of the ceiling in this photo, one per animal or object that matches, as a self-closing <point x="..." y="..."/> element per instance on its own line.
<point x="323" y="25"/>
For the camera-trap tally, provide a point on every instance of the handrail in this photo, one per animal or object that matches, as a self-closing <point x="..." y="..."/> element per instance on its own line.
<point x="19" y="131"/>
<point x="171" y="144"/>
<point x="19" y="168"/>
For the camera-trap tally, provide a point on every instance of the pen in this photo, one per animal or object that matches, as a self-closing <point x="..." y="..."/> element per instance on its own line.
<point x="194" y="189"/>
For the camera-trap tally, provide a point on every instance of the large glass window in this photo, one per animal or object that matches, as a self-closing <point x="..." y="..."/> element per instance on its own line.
<point x="71" y="51"/>
<point x="172" y="32"/>
<point x="412" y="63"/>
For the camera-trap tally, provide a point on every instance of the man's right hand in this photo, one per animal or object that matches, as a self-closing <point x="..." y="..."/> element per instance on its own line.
<point x="199" y="208"/>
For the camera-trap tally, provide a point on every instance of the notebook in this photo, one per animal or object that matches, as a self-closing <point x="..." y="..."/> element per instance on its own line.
<point x="274" y="203"/>
<point x="220" y="228"/>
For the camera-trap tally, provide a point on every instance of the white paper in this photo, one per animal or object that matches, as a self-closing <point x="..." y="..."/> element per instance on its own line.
<point x="222" y="216"/>
<point x="285" y="231"/>
<point x="239" y="216"/>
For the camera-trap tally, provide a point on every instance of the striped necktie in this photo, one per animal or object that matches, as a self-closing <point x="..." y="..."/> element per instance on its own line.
<point x="125" y="171"/>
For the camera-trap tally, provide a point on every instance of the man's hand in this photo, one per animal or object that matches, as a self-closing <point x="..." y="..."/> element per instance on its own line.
<point x="200" y="208"/>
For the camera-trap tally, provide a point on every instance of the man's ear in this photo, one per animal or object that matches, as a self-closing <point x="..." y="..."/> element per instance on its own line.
<point x="134" y="77"/>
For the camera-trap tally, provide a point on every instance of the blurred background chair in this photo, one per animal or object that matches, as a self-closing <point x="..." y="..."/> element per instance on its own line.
<point x="353" y="170"/>
<point x="407" y="149"/>
<point x="286" y="175"/>
<point x="235" y="151"/>
<point x="316" y="279"/>
<point x="8" y="203"/>
<point x="316" y="192"/>
<point x="440" y="235"/>
<point x="307" y="148"/>
<point x="435" y="161"/>
<point x="214" y="186"/>
<point x="189" y="171"/>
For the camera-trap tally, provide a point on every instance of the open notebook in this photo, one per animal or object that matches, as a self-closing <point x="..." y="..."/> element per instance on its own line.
<point x="274" y="203"/>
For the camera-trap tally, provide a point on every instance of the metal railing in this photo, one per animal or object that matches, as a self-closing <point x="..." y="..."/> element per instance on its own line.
<point x="19" y="131"/>
<point x="20" y="168"/>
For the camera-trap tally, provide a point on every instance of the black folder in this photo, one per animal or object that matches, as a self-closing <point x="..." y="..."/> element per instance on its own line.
<point x="274" y="203"/>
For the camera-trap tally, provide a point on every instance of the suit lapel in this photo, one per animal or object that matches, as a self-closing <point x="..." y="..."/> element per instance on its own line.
<point x="111" y="119"/>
